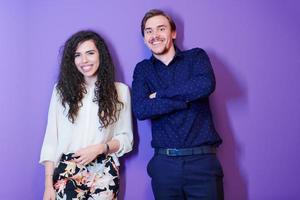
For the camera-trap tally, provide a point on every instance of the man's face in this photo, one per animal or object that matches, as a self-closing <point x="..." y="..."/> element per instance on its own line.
<point x="158" y="35"/>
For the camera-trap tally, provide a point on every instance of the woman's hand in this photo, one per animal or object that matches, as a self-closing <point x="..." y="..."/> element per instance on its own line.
<point x="86" y="155"/>
<point x="49" y="193"/>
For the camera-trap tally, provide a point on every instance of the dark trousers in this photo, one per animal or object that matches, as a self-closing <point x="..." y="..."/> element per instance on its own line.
<point x="195" y="177"/>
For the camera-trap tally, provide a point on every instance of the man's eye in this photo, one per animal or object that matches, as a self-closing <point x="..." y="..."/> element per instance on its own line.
<point x="148" y="31"/>
<point x="162" y="29"/>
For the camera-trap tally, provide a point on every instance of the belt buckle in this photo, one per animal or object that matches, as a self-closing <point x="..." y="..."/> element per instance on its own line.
<point x="172" y="152"/>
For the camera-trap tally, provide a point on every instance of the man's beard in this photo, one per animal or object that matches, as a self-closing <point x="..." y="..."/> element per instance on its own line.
<point x="161" y="52"/>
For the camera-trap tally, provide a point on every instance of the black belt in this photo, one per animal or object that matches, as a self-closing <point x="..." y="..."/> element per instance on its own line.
<point x="187" y="151"/>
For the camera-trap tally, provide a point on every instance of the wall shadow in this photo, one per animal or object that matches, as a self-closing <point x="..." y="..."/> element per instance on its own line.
<point x="128" y="157"/>
<point x="228" y="90"/>
<point x="119" y="76"/>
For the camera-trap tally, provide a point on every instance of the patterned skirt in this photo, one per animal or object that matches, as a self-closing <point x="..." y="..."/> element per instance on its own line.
<point x="99" y="180"/>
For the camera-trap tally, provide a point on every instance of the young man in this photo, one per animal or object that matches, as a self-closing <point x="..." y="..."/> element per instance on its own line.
<point x="172" y="89"/>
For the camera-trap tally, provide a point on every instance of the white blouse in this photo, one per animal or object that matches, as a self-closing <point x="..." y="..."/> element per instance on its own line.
<point x="62" y="136"/>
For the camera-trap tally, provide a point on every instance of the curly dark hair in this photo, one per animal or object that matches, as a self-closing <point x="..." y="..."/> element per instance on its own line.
<point x="71" y="83"/>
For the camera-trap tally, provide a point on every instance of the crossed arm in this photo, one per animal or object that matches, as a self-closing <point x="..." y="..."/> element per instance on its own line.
<point x="149" y="104"/>
<point x="145" y="103"/>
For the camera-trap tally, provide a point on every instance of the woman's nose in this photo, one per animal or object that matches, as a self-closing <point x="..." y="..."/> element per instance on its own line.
<point x="84" y="59"/>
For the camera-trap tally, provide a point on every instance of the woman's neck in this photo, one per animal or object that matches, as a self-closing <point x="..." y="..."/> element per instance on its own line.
<point x="90" y="81"/>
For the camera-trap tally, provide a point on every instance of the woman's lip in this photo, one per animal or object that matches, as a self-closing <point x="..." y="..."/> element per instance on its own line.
<point x="86" y="67"/>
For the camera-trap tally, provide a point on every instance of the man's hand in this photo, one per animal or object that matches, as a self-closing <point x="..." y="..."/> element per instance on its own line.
<point x="152" y="96"/>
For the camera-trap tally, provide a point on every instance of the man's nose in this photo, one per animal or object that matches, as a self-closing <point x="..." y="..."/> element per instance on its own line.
<point x="155" y="33"/>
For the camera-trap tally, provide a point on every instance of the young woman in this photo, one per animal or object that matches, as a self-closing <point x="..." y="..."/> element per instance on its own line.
<point x="89" y="124"/>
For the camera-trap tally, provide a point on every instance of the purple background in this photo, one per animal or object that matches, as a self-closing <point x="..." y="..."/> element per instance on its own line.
<point x="254" y="48"/>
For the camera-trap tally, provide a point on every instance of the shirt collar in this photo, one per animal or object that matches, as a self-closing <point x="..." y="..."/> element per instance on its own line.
<point x="178" y="54"/>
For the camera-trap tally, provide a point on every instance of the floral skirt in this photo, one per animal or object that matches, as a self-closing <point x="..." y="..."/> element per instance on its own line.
<point x="99" y="180"/>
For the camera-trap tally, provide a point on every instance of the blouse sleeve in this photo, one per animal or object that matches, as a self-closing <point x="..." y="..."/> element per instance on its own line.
<point x="123" y="127"/>
<point x="48" y="152"/>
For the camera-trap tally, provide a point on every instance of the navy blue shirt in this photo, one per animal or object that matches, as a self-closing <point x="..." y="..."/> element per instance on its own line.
<point x="180" y="113"/>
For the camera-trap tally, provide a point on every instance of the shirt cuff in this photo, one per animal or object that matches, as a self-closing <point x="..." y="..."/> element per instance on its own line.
<point x="125" y="145"/>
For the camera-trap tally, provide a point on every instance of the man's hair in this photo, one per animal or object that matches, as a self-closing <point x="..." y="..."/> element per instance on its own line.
<point x="71" y="83"/>
<point x="157" y="12"/>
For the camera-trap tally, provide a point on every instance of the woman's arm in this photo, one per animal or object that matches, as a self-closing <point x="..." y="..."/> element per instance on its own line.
<point x="122" y="137"/>
<point x="49" y="192"/>
<point x="88" y="154"/>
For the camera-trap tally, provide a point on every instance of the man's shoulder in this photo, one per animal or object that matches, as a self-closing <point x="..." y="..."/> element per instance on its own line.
<point x="143" y="63"/>
<point x="194" y="51"/>
<point x="142" y="66"/>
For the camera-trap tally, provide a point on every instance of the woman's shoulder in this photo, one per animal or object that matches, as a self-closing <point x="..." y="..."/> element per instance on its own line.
<point x="121" y="86"/>
<point x="122" y="90"/>
<point x="55" y="89"/>
<point x="56" y="93"/>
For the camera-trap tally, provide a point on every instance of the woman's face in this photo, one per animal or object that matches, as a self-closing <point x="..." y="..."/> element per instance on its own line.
<point x="87" y="60"/>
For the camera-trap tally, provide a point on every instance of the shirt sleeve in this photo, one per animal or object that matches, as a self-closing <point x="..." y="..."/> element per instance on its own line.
<point x="146" y="108"/>
<point x="123" y="128"/>
<point x="49" y="147"/>
<point x="201" y="85"/>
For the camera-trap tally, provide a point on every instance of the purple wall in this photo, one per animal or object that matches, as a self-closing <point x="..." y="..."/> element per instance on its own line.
<point x="254" y="47"/>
